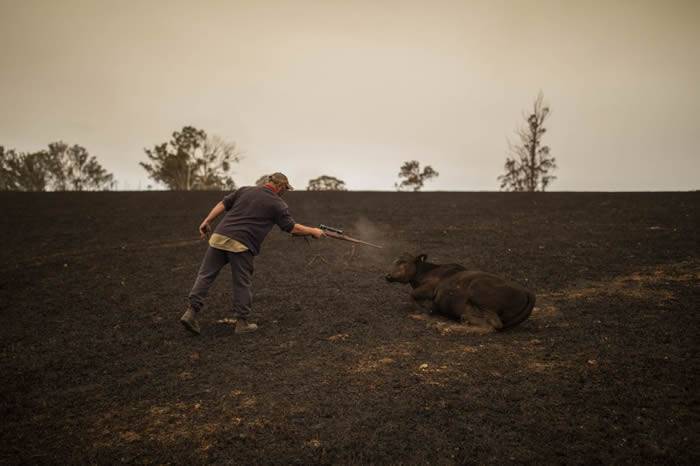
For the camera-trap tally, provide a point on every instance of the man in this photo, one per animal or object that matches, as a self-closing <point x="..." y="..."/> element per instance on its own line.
<point x="251" y="212"/>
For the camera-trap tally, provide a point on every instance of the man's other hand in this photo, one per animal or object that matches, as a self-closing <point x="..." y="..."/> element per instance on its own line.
<point x="317" y="233"/>
<point x="204" y="230"/>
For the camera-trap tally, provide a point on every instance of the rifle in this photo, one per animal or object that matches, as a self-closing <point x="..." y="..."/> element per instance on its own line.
<point x="337" y="233"/>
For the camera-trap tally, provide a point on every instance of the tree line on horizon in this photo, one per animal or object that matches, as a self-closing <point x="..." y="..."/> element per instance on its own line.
<point x="61" y="167"/>
<point x="193" y="160"/>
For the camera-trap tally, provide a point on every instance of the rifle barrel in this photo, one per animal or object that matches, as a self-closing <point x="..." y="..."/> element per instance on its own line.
<point x="344" y="237"/>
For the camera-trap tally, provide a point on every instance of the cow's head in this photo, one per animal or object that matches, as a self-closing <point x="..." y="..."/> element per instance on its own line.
<point x="404" y="268"/>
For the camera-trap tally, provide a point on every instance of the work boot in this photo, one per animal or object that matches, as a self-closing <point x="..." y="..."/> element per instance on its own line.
<point x="189" y="320"/>
<point x="243" y="326"/>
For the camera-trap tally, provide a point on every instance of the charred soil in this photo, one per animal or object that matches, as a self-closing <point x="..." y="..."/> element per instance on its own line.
<point x="95" y="366"/>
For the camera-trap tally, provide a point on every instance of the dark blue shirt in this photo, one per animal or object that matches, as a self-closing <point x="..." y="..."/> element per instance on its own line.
<point x="251" y="212"/>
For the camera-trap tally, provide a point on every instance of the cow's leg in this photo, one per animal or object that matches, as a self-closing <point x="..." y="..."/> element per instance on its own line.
<point x="424" y="297"/>
<point x="480" y="317"/>
<point x="452" y="303"/>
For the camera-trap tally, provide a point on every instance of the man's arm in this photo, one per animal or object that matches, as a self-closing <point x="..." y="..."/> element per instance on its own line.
<point x="287" y="223"/>
<point x="205" y="227"/>
<point x="303" y="230"/>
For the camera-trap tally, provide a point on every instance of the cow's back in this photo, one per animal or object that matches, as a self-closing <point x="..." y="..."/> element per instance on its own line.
<point x="439" y="275"/>
<point x="512" y="301"/>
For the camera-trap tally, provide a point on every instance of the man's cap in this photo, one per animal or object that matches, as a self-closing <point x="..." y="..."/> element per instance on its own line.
<point x="280" y="180"/>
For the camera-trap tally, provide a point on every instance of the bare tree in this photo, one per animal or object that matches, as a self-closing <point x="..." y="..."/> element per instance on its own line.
<point x="191" y="160"/>
<point x="414" y="178"/>
<point x="528" y="166"/>
<point x="74" y="169"/>
<point x="217" y="157"/>
<point x="326" y="183"/>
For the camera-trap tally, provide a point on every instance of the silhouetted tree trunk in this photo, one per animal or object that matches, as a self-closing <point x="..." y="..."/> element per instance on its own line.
<point x="528" y="167"/>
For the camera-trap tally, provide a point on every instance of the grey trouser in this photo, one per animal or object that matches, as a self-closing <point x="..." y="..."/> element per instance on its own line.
<point x="241" y="271"/>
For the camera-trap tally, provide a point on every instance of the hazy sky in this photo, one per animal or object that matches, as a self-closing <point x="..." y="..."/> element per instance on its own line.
<point x="354" y="88"/>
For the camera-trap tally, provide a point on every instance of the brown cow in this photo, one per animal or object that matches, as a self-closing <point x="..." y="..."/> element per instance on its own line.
<point x="479" y="298"/>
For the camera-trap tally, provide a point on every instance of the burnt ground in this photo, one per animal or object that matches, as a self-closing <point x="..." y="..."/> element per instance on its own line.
<point x="95" y="367"/>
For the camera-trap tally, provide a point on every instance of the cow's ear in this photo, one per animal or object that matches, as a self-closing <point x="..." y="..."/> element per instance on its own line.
<point x="422" y="258"/>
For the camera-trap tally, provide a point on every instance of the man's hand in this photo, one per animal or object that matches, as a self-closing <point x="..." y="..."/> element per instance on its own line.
<point x="204" y="230"/>
<point x="303" y="230"/>
<point x="317" y="233"/>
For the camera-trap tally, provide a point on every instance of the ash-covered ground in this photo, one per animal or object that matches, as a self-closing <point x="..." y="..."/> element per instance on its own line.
<point x="95" y="366"/>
